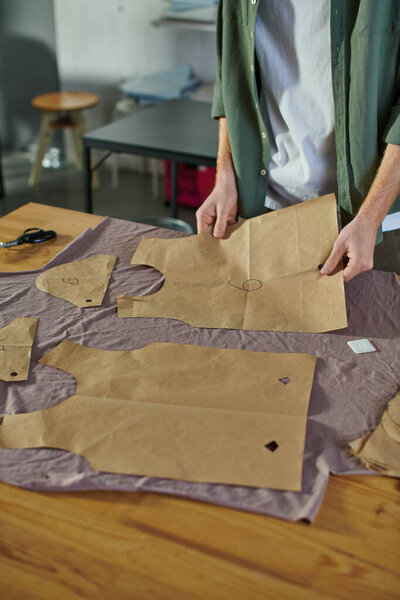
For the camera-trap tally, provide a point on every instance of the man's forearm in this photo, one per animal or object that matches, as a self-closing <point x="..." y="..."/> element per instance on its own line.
<point x="225" y="171"/>
<point x="384" y="189"/>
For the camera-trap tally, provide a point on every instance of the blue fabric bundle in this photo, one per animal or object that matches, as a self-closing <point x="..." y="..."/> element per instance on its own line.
<point x="182" y="5"/>
<point x="164" y="85"/>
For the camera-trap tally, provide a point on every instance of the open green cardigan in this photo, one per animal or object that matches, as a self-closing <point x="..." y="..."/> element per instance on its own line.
<point x="365" y="51"/>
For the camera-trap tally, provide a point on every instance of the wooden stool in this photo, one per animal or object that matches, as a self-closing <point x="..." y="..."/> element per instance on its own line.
<point x="61" y="110"/>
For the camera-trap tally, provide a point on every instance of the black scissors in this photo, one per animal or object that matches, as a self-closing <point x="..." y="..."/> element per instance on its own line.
<point x="33" y="235"/>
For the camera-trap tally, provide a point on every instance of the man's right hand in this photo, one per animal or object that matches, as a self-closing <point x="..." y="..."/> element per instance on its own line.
<point x="218" y="211"/>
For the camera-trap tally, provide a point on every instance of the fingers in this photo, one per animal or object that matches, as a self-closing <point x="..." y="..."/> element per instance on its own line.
<point x="217" y="211"/>
<point x="220" y="225"/>
<point x="354" y="268"/>
<point x="350" y="271"/>
<point x="333" y="259"/>
<point x="224" y="219"/>
<point x="202" y="223"/>
<point x="204" y="219"/>
<point x="355" y="264"/>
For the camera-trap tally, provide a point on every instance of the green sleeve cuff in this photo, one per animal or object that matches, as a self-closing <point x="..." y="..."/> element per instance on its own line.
<point x="217" y="110"/>
<point x="392" y="132"/>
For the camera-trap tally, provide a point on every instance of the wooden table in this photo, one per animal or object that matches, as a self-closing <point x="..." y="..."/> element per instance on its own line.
<point x="120" y="546"/>
<point x="68" y="224"/>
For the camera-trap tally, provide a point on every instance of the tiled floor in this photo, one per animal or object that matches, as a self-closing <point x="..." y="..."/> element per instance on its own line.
<point x="64" y="187"/>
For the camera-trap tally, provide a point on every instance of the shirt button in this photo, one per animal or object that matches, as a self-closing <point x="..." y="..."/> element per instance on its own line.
<point x="263" y="172"/>
<point x="254" y="1"/>
<point x="264" y="135"/>
<point x="252" y="67"/>
<point x="251" y="34"/>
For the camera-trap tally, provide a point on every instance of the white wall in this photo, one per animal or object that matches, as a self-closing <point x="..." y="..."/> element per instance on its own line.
<point x="101" y="42"/>
<point x="28" y="67"/>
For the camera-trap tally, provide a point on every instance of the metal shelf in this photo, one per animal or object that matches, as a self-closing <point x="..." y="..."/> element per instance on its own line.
<point x="207" y="26"/>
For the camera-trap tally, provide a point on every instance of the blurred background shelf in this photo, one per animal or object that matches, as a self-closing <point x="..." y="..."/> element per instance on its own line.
<point x="195" y="25"/>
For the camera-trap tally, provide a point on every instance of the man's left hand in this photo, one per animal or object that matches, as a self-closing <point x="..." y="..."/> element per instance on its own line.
<point x="356" y="242"/>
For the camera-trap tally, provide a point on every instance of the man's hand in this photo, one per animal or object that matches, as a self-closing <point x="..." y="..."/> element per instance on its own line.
<point x="356" y="241"/>
<point x="218" y="211"/>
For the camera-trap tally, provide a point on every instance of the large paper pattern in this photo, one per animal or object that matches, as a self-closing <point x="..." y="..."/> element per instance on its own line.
<point x="265" y="276"/>
<point x="155" y="411"/>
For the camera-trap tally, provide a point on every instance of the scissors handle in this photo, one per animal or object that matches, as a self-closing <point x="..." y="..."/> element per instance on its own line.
<point x="32" y="235"/>
<point x="35" y="235"/>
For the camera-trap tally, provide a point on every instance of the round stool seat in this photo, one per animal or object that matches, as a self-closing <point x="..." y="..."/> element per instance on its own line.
<point x="65" y="101"/>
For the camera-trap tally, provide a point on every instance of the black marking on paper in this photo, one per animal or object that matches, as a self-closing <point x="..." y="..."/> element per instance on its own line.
<point x="271" y="446"/>
<point x="250" y="285"/>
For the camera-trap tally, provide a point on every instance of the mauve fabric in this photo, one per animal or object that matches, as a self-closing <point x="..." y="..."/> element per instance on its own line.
<point x="349" y="394"/>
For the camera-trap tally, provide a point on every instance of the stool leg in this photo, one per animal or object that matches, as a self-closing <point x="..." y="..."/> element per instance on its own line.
<point x="45" y="135"/>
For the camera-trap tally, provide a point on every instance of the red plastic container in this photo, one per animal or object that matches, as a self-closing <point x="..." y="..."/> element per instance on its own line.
<point x="194" y="183"/>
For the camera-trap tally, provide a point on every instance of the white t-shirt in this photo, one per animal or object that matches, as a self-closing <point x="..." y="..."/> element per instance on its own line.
<point x="296" y="100"/>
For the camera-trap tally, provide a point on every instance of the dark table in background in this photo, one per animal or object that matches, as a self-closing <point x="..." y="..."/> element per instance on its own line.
<point x="1" y="176"/>
<point x="178" y="131"/>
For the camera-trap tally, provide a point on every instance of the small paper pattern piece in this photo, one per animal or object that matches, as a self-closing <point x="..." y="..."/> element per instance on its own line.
<point x="82" y="282"/>
<point x="380" y="450"/>
<point x="361" y="346"/>
<point x="16" y="341"/>
<point x="154" y="412"/>
<point x="263" y="277"/>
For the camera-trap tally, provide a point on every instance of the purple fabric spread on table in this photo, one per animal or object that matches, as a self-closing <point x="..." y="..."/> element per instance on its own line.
<point x="349" y="393"/>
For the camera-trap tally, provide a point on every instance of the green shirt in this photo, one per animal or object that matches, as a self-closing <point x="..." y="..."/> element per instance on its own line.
<point x="365" y="50"/>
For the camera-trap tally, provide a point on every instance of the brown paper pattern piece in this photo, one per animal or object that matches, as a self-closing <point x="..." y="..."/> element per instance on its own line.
<point x="157" y="411"/>
<point x="391" y="427"/>
<point x="81" y="282"/>
<point x="190" y="375"/>
<point x="16" y="341"/>
<point x="380" y="450"/>
<point x="263" y="277"/>
<point x="158" y="440"/>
